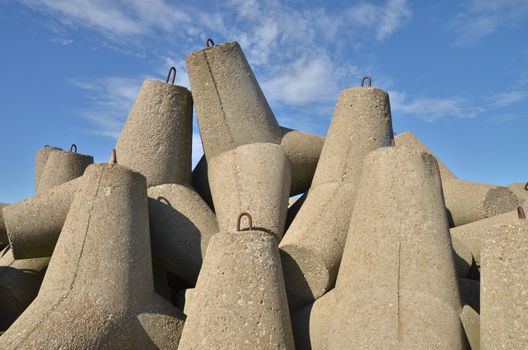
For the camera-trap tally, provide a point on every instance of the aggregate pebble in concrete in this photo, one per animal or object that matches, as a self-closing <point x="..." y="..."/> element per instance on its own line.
<point x="98" y="290"/>
<point x="504" y="288"/>
<point x="239" y="301"/>
<point x="397" y="285"/>
<point x="312" y="247"/>
<point x="157" y="137"/>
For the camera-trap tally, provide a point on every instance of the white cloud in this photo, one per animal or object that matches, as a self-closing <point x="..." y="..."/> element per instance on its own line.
<point x="505" y="99"/>
<point x="480" y="19"/>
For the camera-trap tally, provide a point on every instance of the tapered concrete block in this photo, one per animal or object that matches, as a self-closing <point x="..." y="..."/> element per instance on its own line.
<point x="471" y="201"/>
<point x="252" y="312"/>
<point x="230" y="106"/>
<point x="312" y="247"/>
<point x="34" y="224"/>
<point x="471" y="322"/>
<point x="19" y="284"/>
<point x="252" y="178"/>
<point x="310" y="323"/>
<point x="463" y="258"/>
<point x="520" y="190"/>
<point x="3" y="231"/>
<point x="397" y="285"/>
<point x="472" y="235"/>
<point x="470" y="293"/>
<point x="98" y="290"/>
<point x="41" y="157"/>
<point x="181" y="225"/>
<point x="409" y="140"/>
<point x="504" y="288"/>
<point x="157" y="137"/>
<point x="302" y="149"/>
<point x="62" y="167"/>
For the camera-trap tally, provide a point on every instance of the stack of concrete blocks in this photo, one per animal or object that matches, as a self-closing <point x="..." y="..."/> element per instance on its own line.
<point x="279" y="239"/>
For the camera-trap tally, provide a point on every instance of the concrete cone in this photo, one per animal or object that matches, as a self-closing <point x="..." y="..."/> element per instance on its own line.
<point x="239" y="301"/>
<point x="409" y="140"/>
<point x="3" y="231"/>
<point x="471" y="201"/>
<point x="471" y="322"/>
<point x="312" y="247"/>
<point x="253" y="178"/>
<point x="302" y="149"/>
<point x="41" y="157"/>
<point x="34" y="224"/>
<point x="230" y="106"/>
<point x="472" y="235"/>
<point x="157" y="137"/>
<point x="19" y="284"/>
<point x="310" y="323"/>
<point x="504" y="288"/>
<point x="520" y="190"/>
<point x="62" y="167"/>
<point x="397" y="285"/>
<point x="98" y="290"/>
<point x="181" y="224"/>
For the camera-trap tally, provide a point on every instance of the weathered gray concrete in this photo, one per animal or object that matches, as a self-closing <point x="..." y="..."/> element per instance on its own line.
<point x="62" y="167"/>
<point x="239" y="301"/>
<point x="397" y="285"/>
<point x="19" y="284"/>
<point x="310" y="323"/>
<point x="161" y="285"/>
<point x="230" y="106"/>
<point x="474" y="233"/>
<point x="520" y="190"/>
<point x="157" y="137"/>
<point x="471" y="201"/>
<point x="181" y="224"/>
<point x="41" y="157"/>
<point x="409" y="140"/>
<point x="98" y="290"/>
<point x="312" y="247"/>
<point x="302" y="149"/>
<point x="504" y="288"/>
<point x="471" y="322"/>
<point x="470" y="293"/>
<point x="463" y="258"/>
<point x="3" y="231"/>
<point x="34" y="224"/>
<point x="188" y="300"/>
<point x="253" y="178"/>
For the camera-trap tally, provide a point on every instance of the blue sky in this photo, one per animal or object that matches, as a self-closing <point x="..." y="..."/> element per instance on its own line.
<point x="456" y="71"/>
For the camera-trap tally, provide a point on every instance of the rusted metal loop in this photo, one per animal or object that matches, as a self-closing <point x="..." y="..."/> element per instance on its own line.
<point x="520" y="212"/>
<point x="114" y="157"/>
<point x="73" y="148"/>
<point x="526" y="187"/>
<point x="209" y="42"/>
<point x="172" y="69"/>
<point x="367" y="77"/>
<point x="250" y="221"/>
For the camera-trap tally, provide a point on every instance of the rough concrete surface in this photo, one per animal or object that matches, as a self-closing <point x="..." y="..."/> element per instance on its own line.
<point x="504" y="288"/>
<point x="41" y="158"/>
<point x="397" y="285"/>
<point x="98" y="295"/>
<point x="521" y="191"/>
<point x="464" y="261"/>
<point x="312" y="247"/>
<point x="181" y="225"/>
<point x="239" y="301"/>
<point x="3" y="231"/>
<point x="157" y="137"/>
<point x="471" y="322"/>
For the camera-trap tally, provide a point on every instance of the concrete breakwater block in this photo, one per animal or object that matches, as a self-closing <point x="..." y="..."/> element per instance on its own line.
<point x="62" y="167"/>
<point x="3" y="231"/>
<point x="41" y="157"/>
<point x="257" y="179"/>
<point x="34" y="224"/>
<point x="156" y="139"/>
<point x="98" y="290"/>
<point x="520" y="190"/>
<point x="504" y="288"/>
<point x="239" y="301"/>
<point x="469" y="201"/>
<point x="312" y="247"/>
<point x="397" y="285"/>
<point x="19" y="284"/>
<point x="464" y="261"/>
<point x="181" y="225"/>
<point x="302" y="149"/>
<point x="471" y="322"/>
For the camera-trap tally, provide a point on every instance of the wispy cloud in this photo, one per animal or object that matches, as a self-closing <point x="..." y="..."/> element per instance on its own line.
<point x="480" y="19"/>
<point x="504" y="99"/>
